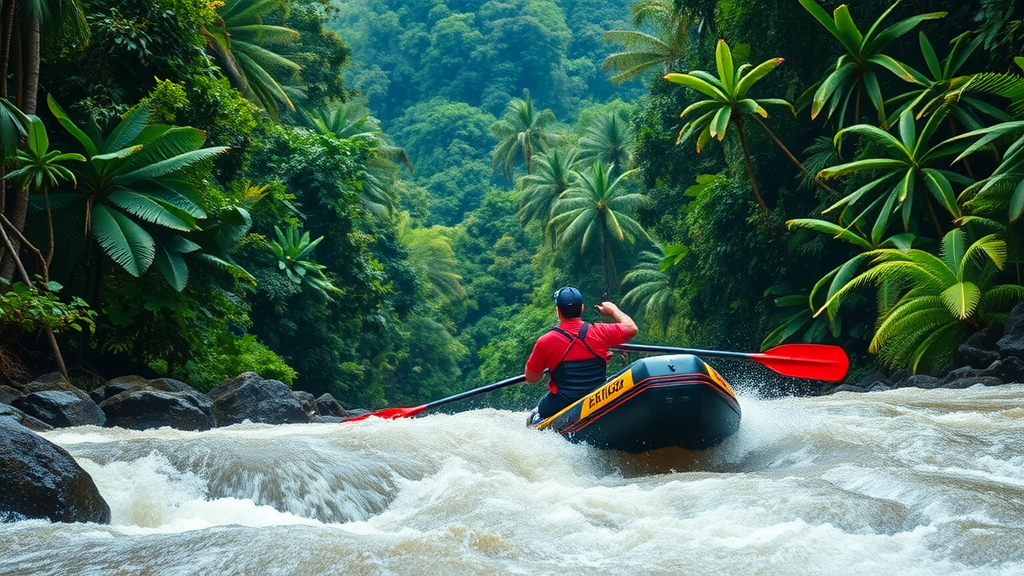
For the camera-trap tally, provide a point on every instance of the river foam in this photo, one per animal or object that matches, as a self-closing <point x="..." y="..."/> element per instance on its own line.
<point x="904" y="482"/>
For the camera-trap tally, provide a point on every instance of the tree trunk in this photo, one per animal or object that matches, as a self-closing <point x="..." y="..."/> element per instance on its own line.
<point x="28" y="103"/>
<point x="750" y="165"/>
<point x="790" y="155"/>
<point x="5" y="44"/>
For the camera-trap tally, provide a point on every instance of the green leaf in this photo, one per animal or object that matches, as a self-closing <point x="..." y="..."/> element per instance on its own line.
<point x="848" y="34"/>
<point x="91" y="148"/>
<point x="756" y="74"/>
<point x="124" y="241"/>
<point x="961" y="299"/>
<point x="37" y="142"/>
<point x="175" y="164"/>
<point x="173" y="267"/>
<point x="720" y="122"/>
<point x="697" y="84"/>
<point x="723" y="58"/>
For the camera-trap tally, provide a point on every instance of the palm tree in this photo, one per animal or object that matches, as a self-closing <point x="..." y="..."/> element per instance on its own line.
<point x="944" y="298"/>
<point x="608" y="139"/>
<point x="728" y="104"/>
<point x="353" y="120"/>
<point x="552" y="175"/>
<point x="597" y="213"/>
<point x="904" y="163"/>
<point x="135" y="178"/>
<point x="856" y="71"/>
<point x="651" y="282"/>
<point x="521" y="133"/>
<point x="238" y="39"/>
<point x="432" y="255"/>
<point x="41" y="169"/>
<point x="663" y="50"/>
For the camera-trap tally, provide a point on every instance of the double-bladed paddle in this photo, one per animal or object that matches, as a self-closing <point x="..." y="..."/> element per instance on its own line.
<point x="811" y="361"/>
<point x="392" y="413"/>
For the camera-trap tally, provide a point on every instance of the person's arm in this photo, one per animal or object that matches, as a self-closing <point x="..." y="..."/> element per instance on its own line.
<point x="609" y="309"/>
<point x="534" y="365"/>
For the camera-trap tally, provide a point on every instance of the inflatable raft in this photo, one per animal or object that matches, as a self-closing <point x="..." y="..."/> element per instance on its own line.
<point x="655" y="402"/>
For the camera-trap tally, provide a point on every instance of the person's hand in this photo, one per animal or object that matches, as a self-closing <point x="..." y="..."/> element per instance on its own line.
<point x="608" y="309"/>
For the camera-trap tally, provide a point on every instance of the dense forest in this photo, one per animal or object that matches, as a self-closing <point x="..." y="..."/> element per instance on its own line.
<point x="377" y="198"/>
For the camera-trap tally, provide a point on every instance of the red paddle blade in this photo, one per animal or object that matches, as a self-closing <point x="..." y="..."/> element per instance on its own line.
<point x="390" y="413"/>
<point x="812" y="361"/>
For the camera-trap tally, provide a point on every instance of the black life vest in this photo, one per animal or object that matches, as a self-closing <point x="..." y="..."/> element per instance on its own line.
<point x="576" y="378"/>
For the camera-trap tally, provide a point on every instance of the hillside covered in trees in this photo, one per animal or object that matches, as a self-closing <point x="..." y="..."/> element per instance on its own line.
<point x="377" y="198"/>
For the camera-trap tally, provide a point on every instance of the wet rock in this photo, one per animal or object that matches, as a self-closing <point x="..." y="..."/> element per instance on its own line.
<point x="922" y="381"/>
<point x="959" y="374"/>
<point x="1012" y="342"/>
<point x="116" y="386"/>
<point x="252" y="397"/>
<point x="143" y="408"/>
<point x="880" y="387"/>
<point x="329" y="406"/>
<point x="307" y="401"/>
<point x="899" y="378"/>
<point x="8" y="394"/>
<point x="170" y="385"/>
<point x="871" y="379"/>
<point x="975" y="357"/>
<point x="25" y="420"/>
<point x="61" y="408"/>
<point x="326" y="419"/>
<point x="1009" y="369"/>
<point x="41" y="480"/>
<point x="969" y="381"/>
<point x="51" y="381"/>
<point x="849" y="388"/>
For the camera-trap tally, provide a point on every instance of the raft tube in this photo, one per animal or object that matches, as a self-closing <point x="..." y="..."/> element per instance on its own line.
<point x="655" y="402"/>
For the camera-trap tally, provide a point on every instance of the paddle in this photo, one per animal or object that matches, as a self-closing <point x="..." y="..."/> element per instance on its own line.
<point x="812" y="361"/>
<point x="392" y="413"/>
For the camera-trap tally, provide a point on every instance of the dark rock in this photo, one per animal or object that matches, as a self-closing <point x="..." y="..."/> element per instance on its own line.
<point x="307" y="401"/>
<point x="61" y="408"/>
<point x="170" y="385"/>
<point x="144" y="408"/>
<point x="326" y="419"/>
<point x="985" y="339"/>
<point x="879" y="387"/>
<point x="41" y="480"/>
<point x="25" y="420"/>
<point x="252" y="397"/>
<point x="848" y="388"/>
<point x="975" y="357"/>
<point x="127" y="381"/>
<point x="922" y="381"/>
<point x="328" y="406"/>
<point x="870" y="380"/>
<point x="899" y="378"/>
<point x="1009" y="369"/>
<point x="8" y="394"/>
<point x="959" y="374"/>
<point x="1012" y="342"/>
<point x="51" y="381"/>
<point x="969" y="381"/>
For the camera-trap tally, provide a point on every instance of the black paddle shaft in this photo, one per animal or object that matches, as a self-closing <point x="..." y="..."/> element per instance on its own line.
<point x="477" y="391"/>
<point x="674" y="350"/>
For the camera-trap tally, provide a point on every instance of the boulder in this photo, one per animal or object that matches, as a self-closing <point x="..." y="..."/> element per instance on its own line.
<point x="24" y="419"/>
<point x="51" y="381"/>
<point x="899" y="378"/>
<point x="1012" y="342"/>
<point x="326" y="419"/>
<point x="922" y="381"/>
<point x="328" y="406"/>
<point x="879" y="387"/>
<point x="307" y="401"/>
<point x="252" y="397"/>
<point x="117" y="386"/>
<point x="8" y="394"/>
<point x="41" y="480"/>
<point x="872" y="379"/>
<point x="142" y="408"/>
<point x="848" y="388"/>
<point x="1009" y="369"/>
<point x="969" y="381"/>
<point x="61" y="408"/>
<point x="959" y="374"/>
<point x="975" y="357"/>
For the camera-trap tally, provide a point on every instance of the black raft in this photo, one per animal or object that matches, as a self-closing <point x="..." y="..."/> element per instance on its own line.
<point x="653" y="403"/>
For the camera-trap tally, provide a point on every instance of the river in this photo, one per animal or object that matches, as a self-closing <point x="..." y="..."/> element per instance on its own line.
<point x="905" y="482"/>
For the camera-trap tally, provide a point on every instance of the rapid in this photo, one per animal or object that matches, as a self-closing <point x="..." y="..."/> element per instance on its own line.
<point x="906" y="482"/>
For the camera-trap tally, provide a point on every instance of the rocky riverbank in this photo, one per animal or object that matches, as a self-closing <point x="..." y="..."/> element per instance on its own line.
<point x="41" y="480"/>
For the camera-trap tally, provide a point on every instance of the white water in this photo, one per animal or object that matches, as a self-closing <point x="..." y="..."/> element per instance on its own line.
<point x="906" y="482"/>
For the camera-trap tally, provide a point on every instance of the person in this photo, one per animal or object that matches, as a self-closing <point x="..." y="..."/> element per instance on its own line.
<point x="575" y="352"/>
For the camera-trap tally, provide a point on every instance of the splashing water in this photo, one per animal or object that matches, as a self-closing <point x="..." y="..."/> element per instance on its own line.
<point x="905" y="482"/>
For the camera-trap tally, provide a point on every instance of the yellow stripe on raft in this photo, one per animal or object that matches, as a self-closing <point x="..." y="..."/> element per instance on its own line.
<point x="606" y="394"/>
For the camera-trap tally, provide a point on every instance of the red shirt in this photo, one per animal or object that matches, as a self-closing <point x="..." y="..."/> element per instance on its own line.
<point x="550" y="347"/>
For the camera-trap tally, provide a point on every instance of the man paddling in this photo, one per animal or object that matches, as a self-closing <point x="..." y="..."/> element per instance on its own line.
<point x="576" y="352"/>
